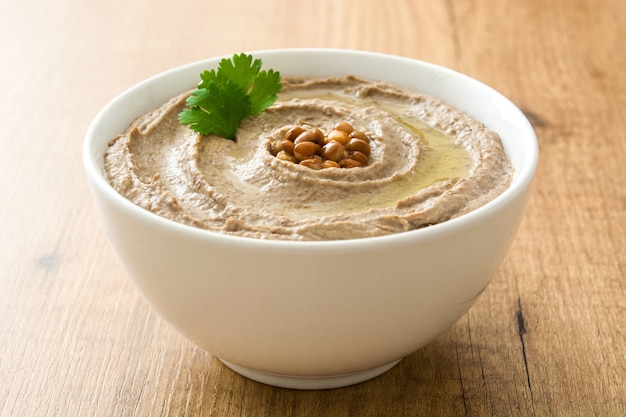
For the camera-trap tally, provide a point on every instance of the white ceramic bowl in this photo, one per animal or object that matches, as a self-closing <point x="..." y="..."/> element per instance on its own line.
<point x="305" y="329"/>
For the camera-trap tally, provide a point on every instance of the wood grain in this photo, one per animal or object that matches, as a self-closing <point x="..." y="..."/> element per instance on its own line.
<point x="546" y="338"/>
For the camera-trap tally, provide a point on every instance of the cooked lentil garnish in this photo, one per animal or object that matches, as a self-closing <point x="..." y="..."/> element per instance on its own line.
<point x="342" y="147"/>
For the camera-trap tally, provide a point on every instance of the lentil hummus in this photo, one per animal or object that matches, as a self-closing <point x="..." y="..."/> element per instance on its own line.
<point x="426" y="163"/>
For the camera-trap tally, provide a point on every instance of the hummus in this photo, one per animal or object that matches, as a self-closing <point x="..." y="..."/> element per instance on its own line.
<point x="428" y="163"/>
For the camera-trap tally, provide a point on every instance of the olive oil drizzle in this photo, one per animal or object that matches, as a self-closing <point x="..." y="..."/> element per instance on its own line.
<point x="441" y="160"/>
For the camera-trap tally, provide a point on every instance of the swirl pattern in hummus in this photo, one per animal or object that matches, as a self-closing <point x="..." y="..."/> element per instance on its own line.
<point x="429" y="163"/>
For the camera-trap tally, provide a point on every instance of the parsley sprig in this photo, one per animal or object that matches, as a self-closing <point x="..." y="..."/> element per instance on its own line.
<point x="225" y="97"/>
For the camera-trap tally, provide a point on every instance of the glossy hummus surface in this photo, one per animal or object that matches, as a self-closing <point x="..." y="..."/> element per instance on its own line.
<point x="429" y="163"/>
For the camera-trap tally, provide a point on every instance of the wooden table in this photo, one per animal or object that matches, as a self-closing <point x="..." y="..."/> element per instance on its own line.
<point x="548" y="338"/>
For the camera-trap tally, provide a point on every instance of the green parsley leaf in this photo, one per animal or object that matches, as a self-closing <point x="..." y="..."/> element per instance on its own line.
<point x="264" y="91"/>
<point x="241" y="69"/>
<point x="206" y="77"/>
<point x="216" y="109"/>
<point x="225" y="97"/>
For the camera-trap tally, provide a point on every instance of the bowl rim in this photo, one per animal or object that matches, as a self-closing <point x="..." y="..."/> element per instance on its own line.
<point x="521" y="181"/>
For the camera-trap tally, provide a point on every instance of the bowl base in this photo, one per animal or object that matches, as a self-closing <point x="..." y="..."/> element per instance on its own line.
<point x="310" y="382"/>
